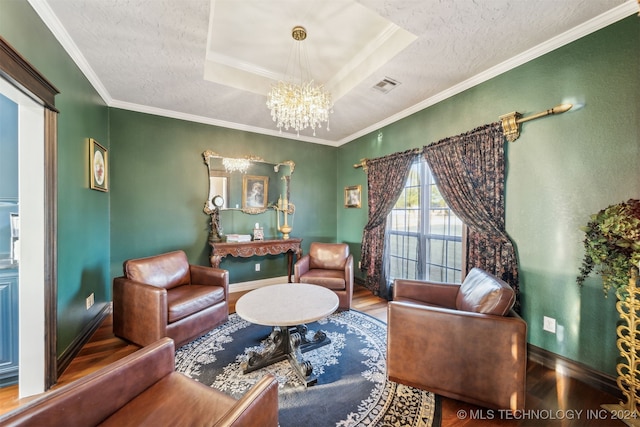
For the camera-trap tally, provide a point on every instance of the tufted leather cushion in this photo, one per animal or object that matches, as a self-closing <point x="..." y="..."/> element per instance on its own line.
<point x="183" y="301"/>
<point x="328" y="256"/>
<point x="482" y="292"/>
<point x="330" y="279"/>
<point x="174" y="400"/>
<point x="164" y="271"/>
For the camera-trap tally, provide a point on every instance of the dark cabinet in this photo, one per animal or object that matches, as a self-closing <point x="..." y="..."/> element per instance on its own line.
<point x="8" y="327"/>
<point x="9" y="241"/>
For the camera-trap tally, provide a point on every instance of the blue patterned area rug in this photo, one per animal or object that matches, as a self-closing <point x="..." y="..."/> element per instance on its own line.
<point x="352" y="389"/>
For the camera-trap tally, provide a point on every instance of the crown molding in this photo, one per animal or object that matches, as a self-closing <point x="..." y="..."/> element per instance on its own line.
<point x="43" y="10"/>
<point x="215" y="122"/>
<point x="614" y="15"/>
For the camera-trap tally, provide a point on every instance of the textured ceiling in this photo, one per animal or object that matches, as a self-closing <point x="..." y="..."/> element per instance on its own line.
<point x="152" y="55"/>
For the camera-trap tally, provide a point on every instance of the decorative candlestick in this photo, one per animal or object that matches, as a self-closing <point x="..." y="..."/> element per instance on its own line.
<point x="287" y="208"/>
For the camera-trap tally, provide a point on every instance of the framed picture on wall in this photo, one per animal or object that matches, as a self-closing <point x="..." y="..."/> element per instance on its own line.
<point x="98" y="166"/>
<point x="255" y="190"/>
<point x="353" y="196"/>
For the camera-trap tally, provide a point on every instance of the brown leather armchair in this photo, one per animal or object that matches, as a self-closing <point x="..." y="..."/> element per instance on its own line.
<point x="165" y="296"/>
<point x="329" y="265"/>
<point x="143" y="389"/>
<point x="461" y="341"/>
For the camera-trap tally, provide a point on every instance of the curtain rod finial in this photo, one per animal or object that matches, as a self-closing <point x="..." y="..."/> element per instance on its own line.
<point x="562" y="108"/>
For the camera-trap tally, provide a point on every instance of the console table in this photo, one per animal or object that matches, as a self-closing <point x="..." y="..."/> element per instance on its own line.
<point x="256" y="248"/>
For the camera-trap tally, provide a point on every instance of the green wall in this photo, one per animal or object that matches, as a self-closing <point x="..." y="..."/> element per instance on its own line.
<point x="160" y="183"/>
<point x="560" y="170"/>
<point x="83" y="214"/>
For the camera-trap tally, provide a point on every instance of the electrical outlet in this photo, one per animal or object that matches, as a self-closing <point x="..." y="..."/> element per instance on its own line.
<point x="90" y="300"/>
<point x="549" y="324"/>
<point x="257" y="267"/>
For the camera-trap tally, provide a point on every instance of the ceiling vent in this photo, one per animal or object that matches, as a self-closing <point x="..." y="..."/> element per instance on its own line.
<point x="386" y="85"/>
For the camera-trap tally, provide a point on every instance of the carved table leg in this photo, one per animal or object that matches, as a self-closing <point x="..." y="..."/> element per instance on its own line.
<point x="276" y="348"/>
<point x="303" y="368"/>
<point x="307" y="344"/>
<point x="214" y="260"/>
<point x="298" y="253"/>
<point x="280" y="345"/>
<point x="319" y="339"/>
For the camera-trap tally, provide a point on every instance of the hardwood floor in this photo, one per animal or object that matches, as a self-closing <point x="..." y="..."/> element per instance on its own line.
<point x="552" y="398"/>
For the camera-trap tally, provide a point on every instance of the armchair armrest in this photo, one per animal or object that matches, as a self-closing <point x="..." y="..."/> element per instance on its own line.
<point x="257" y="407"/>
<point x="301" y="267"/>
<point x="348" y="272"/>
<point x="201" y="275"/>
<point x="348" y="280"/>
<point x="477" y="358"/>
<point x="140" y="311"/>
<point x="431" y="293"/>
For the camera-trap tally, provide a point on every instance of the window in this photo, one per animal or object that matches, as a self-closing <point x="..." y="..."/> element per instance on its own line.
<point x="424" y="237"/>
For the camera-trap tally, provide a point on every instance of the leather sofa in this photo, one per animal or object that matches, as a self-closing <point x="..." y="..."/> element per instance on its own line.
<point x="462" y="341"/>
<point x="329" y="265"/>
<point x="143" y="389"/>
<point x="165" y="296"/>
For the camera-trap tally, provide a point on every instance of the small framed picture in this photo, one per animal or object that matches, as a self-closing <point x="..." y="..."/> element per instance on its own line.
<point x="98" y="166"/>
<point x="258" y="234"/>
<point x="255" y="190"/>
<point x="353" y="196"/>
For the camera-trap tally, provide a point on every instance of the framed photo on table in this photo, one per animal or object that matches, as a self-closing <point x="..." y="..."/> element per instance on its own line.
<point x="98" y="166"/>
<point x="258" y="234"/>
<point x="353" y="196"/>
<point x="255" y="190"/>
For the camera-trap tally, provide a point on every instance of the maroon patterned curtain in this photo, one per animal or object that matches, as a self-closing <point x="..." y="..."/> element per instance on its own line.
<point x="386" y="177"/>
<point x="469" y="172"/>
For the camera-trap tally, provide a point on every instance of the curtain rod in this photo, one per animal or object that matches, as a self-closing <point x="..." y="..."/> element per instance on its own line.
<point x="510" y="124"/>
<point x="511" y="120"/>
<point x="363" y="162"/>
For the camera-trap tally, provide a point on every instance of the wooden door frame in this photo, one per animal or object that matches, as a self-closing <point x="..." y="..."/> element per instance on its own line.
<point x="20" y="73"/>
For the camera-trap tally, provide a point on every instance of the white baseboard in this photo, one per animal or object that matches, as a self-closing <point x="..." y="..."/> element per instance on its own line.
<point x="255" y="284"/>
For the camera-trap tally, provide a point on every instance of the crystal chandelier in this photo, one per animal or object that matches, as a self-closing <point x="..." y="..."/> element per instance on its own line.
<point x="236" y="165"/>
<point x="299" y="104"/>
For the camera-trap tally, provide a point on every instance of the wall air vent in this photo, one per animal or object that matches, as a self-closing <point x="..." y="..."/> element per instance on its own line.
<point x="385" y="85"/>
